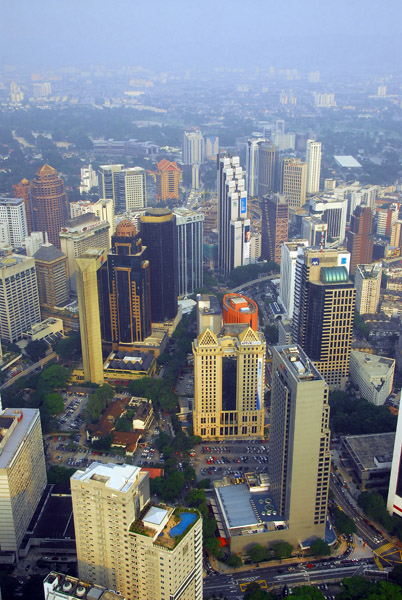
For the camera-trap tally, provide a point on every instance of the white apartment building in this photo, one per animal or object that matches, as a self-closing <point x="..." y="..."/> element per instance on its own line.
<point x="132" y="188"/>
<point x="368" y="288"/>
<point x="313" y="160"/>
<point x="252" y="153"/>
<point x="12" y="212"/>
<point x="374" y="376"/>
<point x="103" y="209"/>
<point x="333" y="211"/>
<point x="193" y="147"/>
<point x="89" y="179"/>
<point x="289" y="254"/>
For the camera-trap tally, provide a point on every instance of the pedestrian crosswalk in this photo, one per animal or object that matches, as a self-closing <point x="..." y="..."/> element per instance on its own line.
<point x="384" y="548"/>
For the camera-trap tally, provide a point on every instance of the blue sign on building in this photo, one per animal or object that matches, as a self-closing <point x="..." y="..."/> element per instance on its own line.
<point x="243" y="205"/>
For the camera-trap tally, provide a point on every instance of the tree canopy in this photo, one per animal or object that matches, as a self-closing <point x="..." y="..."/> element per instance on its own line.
<point x="320" y="548"/>
<point x="355" y="416"/>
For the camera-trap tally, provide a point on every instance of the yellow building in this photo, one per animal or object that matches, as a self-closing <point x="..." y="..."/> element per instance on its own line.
<point x="294" y="181"/>
<point x="229" y="383"/>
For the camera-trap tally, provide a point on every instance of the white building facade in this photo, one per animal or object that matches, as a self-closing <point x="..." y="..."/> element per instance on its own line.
<point x="12" y="212"/>
<point x="313" y="159"/>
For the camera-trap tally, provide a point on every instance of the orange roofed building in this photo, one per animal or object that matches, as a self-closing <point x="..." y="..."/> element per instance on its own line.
<point x="240" y="309"/>
<point x="168" y="177"/>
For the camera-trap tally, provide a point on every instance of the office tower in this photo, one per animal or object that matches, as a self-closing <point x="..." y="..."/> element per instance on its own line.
<point x="190" y="236"/>
<point x="294" y="181"/>
<point x="275" y="225"/>
<point x="284" y="141"/>
<point x="89" y="179"/>
<point x="103" y="209"/>
<point x="49" y="203"/>
<point x="51" y="273"/>
<point x="12" y="212"/>
<point x="125" y="290"/>
<point x="233" y="225"/>
<point x="299" y="447"/>
<point x="289" y="252"/>
<point x="332" y="210"/>
<point x="125" y="544"/>
<point x="87" y="267"/>
<point x="159" y="234"/>
<point x="19" y="300"/>
<point x="229" y="383"/>
<point x="23" y="190"/>
<point x="394" y="500"/>
<point x="132" y="189"/>
<point x="252" y="155"/>
<point x="360" y="238"/>
<point x="108" y="181"/>
<point x="193" y="150"/>
<point x="372" y="375"/>
<point x="168" y="177"/>
<point x="396" y="235"/>
<point x="313" y="160"/>
<point x="315" y="231"/>
<point x="209" y="314"/>
<point x="33" y="242"/>
<point x="195" y="176"/>
<point x="42" y="90"/>
<point x="4" y="236"/>
<point x="240" y="309"/>
<point x="22" y="474"/>
<point x="323" y="312"/>
<point x="324" y="100"/>
<point x="79" y="234"/>
<point x="385" y="219"/>
<point x="211" y="147"/>
<point x="280" y="126"/>
<point x="58" y="586"/>
<point x="266" y="169"/>
<point x="368" y="288"/>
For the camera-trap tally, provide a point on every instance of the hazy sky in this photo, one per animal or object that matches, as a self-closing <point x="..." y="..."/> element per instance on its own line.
<point x="158" y="33"/>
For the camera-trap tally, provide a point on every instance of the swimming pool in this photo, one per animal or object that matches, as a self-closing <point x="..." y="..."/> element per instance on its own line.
<point x="185" y="520"/>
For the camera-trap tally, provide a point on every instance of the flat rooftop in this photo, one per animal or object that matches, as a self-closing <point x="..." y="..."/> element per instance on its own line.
<point x="16" y="437"/>
<point x="375" y="365"/>
<point x="347" y="161"/>
<point x="365" y="449"/>
<point x="115" y="477"/>
<point x="244" y="508"/>
<point x="298" y="363"/>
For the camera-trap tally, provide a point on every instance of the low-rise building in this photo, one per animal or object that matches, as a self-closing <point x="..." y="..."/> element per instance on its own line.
<point x="373" y="375"/>
<point x="370" y="458"/>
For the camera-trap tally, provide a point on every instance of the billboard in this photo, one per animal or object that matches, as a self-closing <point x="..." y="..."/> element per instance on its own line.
<point x="243" y="205"/>
<point x="246" y="241"/>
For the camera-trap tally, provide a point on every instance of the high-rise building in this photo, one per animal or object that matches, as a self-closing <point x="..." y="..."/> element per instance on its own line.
<point x="58" y="586"/>
<point x="368" y="288"/>
<point x="108" y="178"/>
<point x="313" y="160"/>
<point x="211" y="147"/>
<point x="315" y="231"/>
<point x="49" y="203"/>
<point x="233" y="225"/>
<point x="275" y="225"/>
<point x="22" y="474"/>
<point x="33" y="242"/>
<point x="51" y="273"/>
<point x="266" y="169"/>
<point x="289" y="252"/>
<point x="159" y="234"/>
<point x="240" y="309"/>
<point x="190" y="235"/>
<point x="193" y="150"/>
<point x="88" y="265"/>
<point x="125" y="290"/>
<point x="323" y="311"/>
<point x="252" y="167"/>
<point x="394" y="500"/>
<point x="360" y="237"/>
<point x="125" y="544"/>
<point x="12" y="212"/>
<point x="23" y="190"/>
<point x="168" y="177"/>
<point x="396" y="235"/>
<point x="132" y="189"/>
<point x="78" y="235"/>
<point x="299" y="447"/>
<point x="294" y="181"/>
<point x="42" y="90"/>
<point x="89" y="179"/>
<point x="103" y="209"/>
<point x="333" y="211"/>
<point x="19" y="299"/>
<point x="386" y="217"/>
<point x="209" y="314"/>
<point x="324" y="100"/>
<point x="229" y="383"/>
<point x="284" y="141"/>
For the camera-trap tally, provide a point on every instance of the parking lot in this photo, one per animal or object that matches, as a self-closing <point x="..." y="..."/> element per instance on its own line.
<point x="227" y="458"/>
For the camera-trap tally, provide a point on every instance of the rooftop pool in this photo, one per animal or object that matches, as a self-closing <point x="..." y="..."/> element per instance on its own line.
<point x="185" y="520"/>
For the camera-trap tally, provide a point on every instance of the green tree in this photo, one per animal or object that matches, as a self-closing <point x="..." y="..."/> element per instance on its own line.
<point x="59" y="474"/>
<point x="271" y="334"/>
<point x="254" y="592"/>
<point x="36" y="350"/>
<point x="234" y="561"/>
<point x="344" y="523"/>
<point x="282" y="550"/>
<point x="320" y="548"/>
<point x="373" y="504"/>
<point x="53" y="402"/>
<point x="208" y="525"/>
<point x="258" y="553"/>
<point x="69" y="346"/>
<point x="356" y="587"/>
<point x="124" y="424"/>
<point x="213" y="546"/>
<point x="54" y="376"/>
<point x="396" y="573"/>
<point x="308" y="592"/>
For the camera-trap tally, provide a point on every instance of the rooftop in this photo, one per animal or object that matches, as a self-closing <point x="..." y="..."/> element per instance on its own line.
<point x="115" y="477"/>
<point x="298" y="363"/>
<point x="16" y="424"/>
<point x="377" y="366"/>
<point x="371" y="451"/>
<point x="244" y="508"/>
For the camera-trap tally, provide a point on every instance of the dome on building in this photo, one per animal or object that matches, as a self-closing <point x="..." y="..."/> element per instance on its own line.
<point x="126" y="229"/>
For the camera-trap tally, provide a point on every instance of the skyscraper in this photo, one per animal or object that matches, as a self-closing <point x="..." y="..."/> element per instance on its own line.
<point x="22" y="474"/>
<point x="313" y="160"/>
<point x="394" y="500"/>
<point x="211" y="147"/>
<point x="233" y="224"/>
<point x="159" y="234"/>
<point x="108" y="178"/>
<point x="193" y="150"/>
<point x="266" y="169"/>
<point x="132" y="189"/>
<point x="23" y="190"/>
<point x="323" y="312"/>
<point x="49" y="203"/>
<point x="276" y="215"/>
<point x="51" y="273"/>
<point x="229" y="383"/>
<point x="19" y="299"/>
<point x="368" y="288"/>
<point x="190" y="237"/>
<point x="294" y="181"/>
<point x="333" y="211"/>
<point x="125" y="290"/>
<point x="168" y="177"/>
<point x="360" y="237"/>
<point x="103" y="209"/>
<point x="126" y="544"/>
<point x="252" y="155"/>
<point x="289" y="252"/>
<point x="299" y="453"/>
<point x="12" y="212"/>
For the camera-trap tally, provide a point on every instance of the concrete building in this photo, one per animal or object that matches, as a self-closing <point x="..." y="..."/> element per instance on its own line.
<point x="266" y="169"/>
<point x="229" y="383"/>
<point x="23" y="190"/>
<point x="315" y="231"/>
<point x="51" y="273"/>
<point x="49" y="203"/>
<point x="368" y="288"/>
<point x="370" y="458"/>
<point x="77" y="236"/>
<point x="126" y="544"/>
<point x="275" y="225"/>
<point x="313" y="160"/>
<point x="300" y="457"/>
<point x="209" y="314"/>
<point x="233" y="225"/>
<point x="193" y="150"/>
<point x="89" y="179"/>
<point x="108" y="178"/>
<point x="240" y="309"/>
<point x="22" y="475"/>
<point x="373" y="375"/>
<point x="12" y="212"/>
<point x="168" y="178"/>
<point x="252" y="156"/>
<point x="33" y="242"/>
<point x="284" y="141"/>
<point x="132" y="189"/>
<point x="323" y="311"/>
<point x="331" y="210"/>
<point x="88" y="266"/>
<point x="103" y="209"/>
<point x="19" y="299"/>
<point x="190" y="237"/>
<point x="42" y="90"/>
<point x="394" y="500"/>
<point x="294" y="181"/>
<point x="289" y="252"/>
<point x="360" y="238"/>
<point x="57" y="586"/>
<point x="211" y="147"/>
